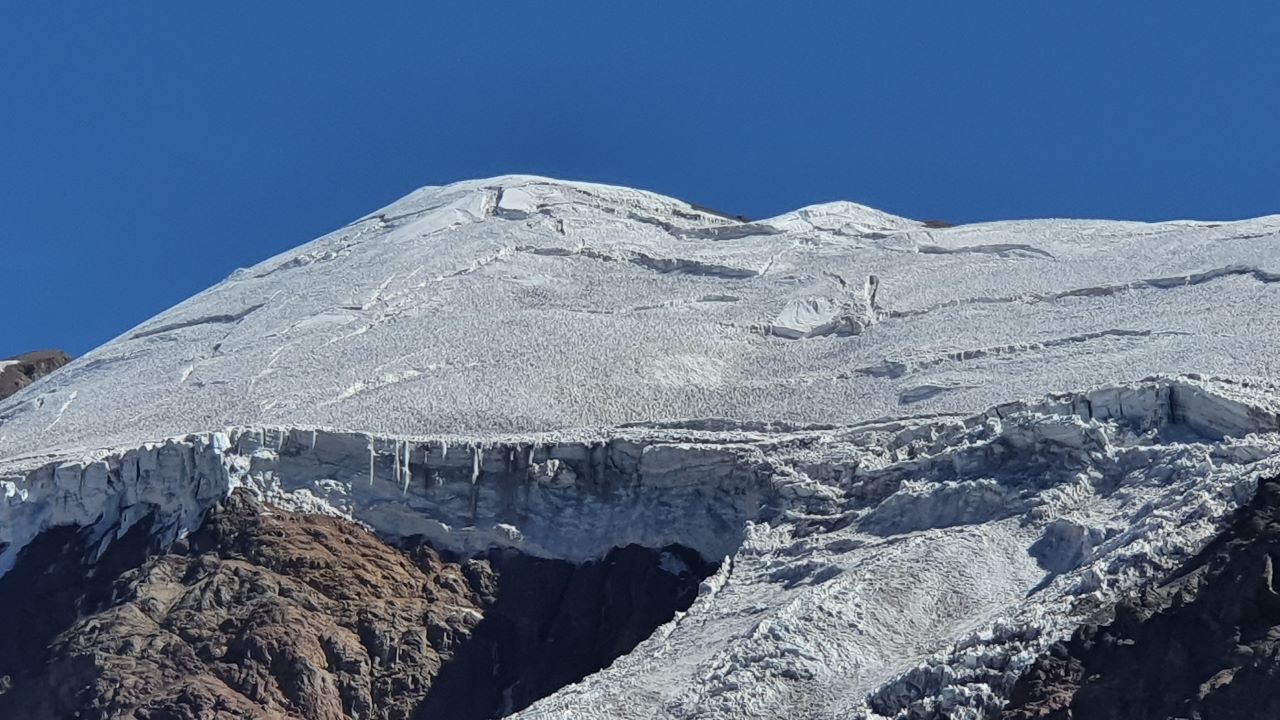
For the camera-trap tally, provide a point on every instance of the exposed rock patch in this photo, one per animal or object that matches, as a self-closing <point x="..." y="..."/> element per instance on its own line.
<point x="1204" y="645"/>
<point x="22" y="370"/>
<point x="263" y="615"/>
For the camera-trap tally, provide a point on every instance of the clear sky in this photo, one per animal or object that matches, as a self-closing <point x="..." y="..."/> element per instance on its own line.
<point x="149" y="148"/>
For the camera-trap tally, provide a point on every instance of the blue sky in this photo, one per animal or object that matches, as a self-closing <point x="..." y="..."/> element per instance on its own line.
<point x="149" y="148"/>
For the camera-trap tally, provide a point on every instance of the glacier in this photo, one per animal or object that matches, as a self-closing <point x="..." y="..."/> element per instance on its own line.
<point x="920" y="454"/>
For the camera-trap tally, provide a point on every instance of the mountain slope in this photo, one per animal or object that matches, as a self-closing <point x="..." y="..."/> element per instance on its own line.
<point x="526" y="305"/>
<point x="916" y="457"/>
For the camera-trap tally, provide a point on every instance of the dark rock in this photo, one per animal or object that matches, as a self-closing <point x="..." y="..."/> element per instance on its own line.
<point x="268" y="615"/>
<point x="19" y="372"/>
<point x="551" y="623"/>
<point x="264" y="613"/>
<point x="1203" y="645"/>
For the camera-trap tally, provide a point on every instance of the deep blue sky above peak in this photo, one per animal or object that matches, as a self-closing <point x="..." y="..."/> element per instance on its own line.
<point x="149" y="148"/>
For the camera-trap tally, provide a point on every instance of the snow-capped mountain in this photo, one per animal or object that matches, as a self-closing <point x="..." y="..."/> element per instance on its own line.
<point x="920" y="456"/>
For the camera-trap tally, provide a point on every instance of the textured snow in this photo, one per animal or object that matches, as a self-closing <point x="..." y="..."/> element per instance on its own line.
<point x="908" y="568"/>
<point x="922" y="453"/>
<point x="519" y="304"/>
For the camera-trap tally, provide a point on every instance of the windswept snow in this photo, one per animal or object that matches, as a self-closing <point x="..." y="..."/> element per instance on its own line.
<point x="922" y="453"/>
<point x="523" y="304"/>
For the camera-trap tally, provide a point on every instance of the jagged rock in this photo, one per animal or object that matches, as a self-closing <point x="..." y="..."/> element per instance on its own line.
<point x="1203" y="645"/>
<point x="22" y="370"/>
<point x="264" y="614"/>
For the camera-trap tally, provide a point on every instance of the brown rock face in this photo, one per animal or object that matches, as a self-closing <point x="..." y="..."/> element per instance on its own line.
<point x="1205" y="645"/>
<point x="19" y="372"/>
<point x="266" y="615"/>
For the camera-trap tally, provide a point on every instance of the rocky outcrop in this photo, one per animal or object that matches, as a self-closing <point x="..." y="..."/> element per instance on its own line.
<point x="22" y="370"/>
<point x="1203" y="645"/>
<point x="266" y="613"/>
<point x="259" y="615"/>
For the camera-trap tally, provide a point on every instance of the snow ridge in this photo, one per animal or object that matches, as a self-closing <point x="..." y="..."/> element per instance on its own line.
<point x="833" y="401"/>
<point x="520" y="305"/>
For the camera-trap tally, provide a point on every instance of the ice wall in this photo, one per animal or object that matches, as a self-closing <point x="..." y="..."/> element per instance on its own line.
<point x="904" y="568"/>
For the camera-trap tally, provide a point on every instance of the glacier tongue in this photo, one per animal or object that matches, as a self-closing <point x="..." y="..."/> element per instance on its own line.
<point x="916" y="568"/>
<point x="923" y="454"/>
<point x="907" y="568"/>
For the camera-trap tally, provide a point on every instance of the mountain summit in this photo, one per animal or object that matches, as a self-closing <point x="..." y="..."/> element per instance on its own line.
<point x="632" y="458"/>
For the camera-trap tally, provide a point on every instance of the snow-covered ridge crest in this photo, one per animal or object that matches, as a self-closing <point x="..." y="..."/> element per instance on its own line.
<point x="518" y="305"/>
<point x="902" y="529"/>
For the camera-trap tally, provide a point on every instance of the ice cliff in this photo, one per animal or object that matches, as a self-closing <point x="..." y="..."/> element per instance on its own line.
<point x="922" y="455"/>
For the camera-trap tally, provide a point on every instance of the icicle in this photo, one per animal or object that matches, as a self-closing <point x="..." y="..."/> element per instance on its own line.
<point x="406" y="474"/>
<point x="370" y="459"/>
<point x="444" y="450"/>
<point x="869" y="295"/>
<point x="475" y="478"/>
<point x="395" y="461"/>
<point x="313" y="439"/>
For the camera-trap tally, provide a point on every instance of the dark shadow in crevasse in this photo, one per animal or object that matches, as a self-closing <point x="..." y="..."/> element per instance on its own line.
<point x="551" y="623"/>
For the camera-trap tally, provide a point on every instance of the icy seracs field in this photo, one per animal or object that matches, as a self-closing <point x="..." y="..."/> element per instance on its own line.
<point x="924" y="453"/>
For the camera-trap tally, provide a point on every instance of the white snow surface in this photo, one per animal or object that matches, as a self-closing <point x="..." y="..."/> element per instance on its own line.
<point x="922" y="453"/>
<point x="520" y="304"/>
